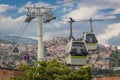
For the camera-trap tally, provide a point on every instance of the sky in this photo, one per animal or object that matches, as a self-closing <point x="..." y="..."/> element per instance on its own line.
<point x="13" y="13"/>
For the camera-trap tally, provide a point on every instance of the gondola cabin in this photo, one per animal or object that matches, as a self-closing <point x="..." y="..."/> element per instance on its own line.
<point x="77" y="53"/>
<point x="15" y="50"/>
<point x="26" y="57"/>
<point x="90" y="40"/>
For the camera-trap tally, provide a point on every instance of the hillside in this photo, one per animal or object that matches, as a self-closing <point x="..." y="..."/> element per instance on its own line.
<point x="5" y="41"/>
<point x="102" y="60"/>
<point x="18" y="40"/>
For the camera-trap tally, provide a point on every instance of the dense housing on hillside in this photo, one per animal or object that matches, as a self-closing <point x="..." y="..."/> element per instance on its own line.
<point x="103" y="58"/>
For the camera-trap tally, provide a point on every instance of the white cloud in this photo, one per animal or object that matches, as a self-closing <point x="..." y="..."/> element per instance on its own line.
<point x="112" y="30"/>
<point x="50" y="35"/>
<point x="54" y="24"/>
<point x="85" y="10"/>
<point x="100" y="16"/>
<point x="4" y="7"/>
<point x="102" y="4"/>
<point x="116" y="11"/>
<point x="68" y="3"/>
<point x="64" y="9"/>
<point x="29" y="4"/>
<point x="10" y="25"/>
<point x="82" y="13"/>
<point x="35" y="38"/>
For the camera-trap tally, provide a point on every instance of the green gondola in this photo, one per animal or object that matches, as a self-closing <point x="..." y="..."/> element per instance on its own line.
<point x="77" y="53"/>
<point x="90" y="41"/>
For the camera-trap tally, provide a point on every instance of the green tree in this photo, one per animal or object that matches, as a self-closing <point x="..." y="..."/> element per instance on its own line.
<point x="83" y="73"/>
<point x="54" y="70"/>
<point x="23" y="67"/>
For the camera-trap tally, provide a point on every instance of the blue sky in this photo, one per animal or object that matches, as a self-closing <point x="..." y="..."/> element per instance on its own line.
<point x="13" y="14"/>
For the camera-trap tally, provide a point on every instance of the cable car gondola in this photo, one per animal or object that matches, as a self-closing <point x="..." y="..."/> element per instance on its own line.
<point x="77" y="53"/>
<point x="15" y="50"/>
<point x="26" y="57"/>
<point x="90" y="41"/>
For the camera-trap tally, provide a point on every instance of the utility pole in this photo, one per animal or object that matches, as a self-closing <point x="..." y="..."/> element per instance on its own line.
<point x="38" y="12"/>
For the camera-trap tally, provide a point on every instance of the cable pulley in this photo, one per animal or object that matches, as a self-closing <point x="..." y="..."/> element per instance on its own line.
<point x="48" y="17"/>
<point x="30" y="16"/>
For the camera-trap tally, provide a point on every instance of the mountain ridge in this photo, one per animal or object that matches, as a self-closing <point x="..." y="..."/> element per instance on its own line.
<point x="17" y="40"/>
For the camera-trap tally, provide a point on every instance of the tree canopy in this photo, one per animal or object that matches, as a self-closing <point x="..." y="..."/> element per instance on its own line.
<point x="54" y="70"/>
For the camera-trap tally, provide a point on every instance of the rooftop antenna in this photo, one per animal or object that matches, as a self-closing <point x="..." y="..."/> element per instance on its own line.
<point x="38" y="12"/>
